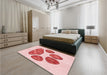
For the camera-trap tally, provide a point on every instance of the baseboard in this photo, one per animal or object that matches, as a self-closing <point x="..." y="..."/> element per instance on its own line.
<point x="102" y="49"/>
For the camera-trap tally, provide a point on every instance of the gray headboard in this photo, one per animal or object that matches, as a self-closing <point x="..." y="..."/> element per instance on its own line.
<point x="80" y="31"/>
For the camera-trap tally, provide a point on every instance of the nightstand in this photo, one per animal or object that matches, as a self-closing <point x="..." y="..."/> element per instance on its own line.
<point x="91" y="39"/>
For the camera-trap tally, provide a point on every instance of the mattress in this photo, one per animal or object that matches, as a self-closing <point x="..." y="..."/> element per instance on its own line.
<point x="67" y="38"/>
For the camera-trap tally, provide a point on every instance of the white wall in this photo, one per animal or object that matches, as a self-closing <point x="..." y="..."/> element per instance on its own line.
<point x="70" y="18"/>
<point x="80" y="16"/>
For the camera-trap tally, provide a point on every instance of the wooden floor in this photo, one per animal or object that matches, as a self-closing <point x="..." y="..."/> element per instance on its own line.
<point x="90" y="60"/>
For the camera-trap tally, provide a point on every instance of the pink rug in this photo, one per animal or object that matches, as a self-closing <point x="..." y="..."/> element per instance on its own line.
<point x="55" y="62"/>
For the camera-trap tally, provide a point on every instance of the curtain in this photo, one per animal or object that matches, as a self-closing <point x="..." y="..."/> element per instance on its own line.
<point x="88" y="15"/>
<point x="83" y="15"/>
<point x="13" y="15"/>
<point x="55" y="20"/>
<point x="91" y="16"/>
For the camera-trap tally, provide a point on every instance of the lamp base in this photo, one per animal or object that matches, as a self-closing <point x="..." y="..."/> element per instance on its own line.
<point x="90" y="31"/>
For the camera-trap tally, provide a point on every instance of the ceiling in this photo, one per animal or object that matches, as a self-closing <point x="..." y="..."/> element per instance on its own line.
<point x="39" y="4"/>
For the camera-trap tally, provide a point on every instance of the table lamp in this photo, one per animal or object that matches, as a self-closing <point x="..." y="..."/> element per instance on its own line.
<point x="55" y="28"/>
<point x="90" y="28"/>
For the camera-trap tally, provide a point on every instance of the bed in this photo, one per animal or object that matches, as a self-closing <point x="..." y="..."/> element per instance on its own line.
<point x="63" y="44"/>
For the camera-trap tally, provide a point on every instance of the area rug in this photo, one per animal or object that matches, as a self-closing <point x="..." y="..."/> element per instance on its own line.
<point x="53" y="61"/>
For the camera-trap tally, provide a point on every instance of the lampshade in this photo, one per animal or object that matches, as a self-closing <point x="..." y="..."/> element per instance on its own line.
<point x="90" y="27"/>
<point x="55" y="28"/>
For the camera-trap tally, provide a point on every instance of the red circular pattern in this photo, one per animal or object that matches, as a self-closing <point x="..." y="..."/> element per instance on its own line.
<point x="38" y="58"/>
<point x="51" y="60"/>
<point x="37" y="51"/>
<point x="56" y="56"/>
<point x="49" y="51"/>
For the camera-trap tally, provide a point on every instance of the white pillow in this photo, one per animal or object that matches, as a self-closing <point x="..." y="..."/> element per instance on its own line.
<point x="66" y="31"/>
<point x="74" y="31"/>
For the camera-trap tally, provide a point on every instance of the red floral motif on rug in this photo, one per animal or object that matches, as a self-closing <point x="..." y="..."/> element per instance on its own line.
<point x="53" y="61"/>
<point x="37" y="55"/>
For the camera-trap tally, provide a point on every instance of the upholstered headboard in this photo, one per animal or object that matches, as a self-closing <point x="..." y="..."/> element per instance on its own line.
<point x="80" y="31"/>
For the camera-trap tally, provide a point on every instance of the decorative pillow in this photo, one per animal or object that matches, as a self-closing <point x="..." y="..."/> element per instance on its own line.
<point x="74" y="31"/>
<point x="66" y="31"/>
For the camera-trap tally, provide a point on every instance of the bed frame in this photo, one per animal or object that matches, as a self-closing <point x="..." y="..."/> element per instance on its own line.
<point x="69" y="48"/>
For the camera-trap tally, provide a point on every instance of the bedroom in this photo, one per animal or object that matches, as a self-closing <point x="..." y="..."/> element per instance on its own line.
<point x="70" y="29"/>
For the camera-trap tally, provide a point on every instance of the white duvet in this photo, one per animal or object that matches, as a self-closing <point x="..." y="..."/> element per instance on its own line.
<point x="74" y="37"/>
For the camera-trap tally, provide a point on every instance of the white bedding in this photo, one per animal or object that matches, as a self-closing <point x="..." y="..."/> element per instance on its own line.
<point x="70" y="38"/>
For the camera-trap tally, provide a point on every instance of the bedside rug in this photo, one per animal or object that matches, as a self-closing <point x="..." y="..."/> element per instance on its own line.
<point x="53" y="61"/>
